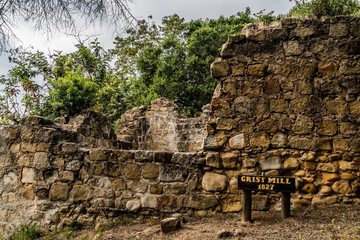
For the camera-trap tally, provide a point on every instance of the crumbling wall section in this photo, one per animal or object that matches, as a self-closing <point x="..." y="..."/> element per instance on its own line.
<point x="161" y="127"/>
<point x="287" y="103"/>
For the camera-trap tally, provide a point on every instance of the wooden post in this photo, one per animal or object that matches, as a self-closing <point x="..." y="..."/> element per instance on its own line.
<point x="246" y="206"/>
<point x="285" y="204"/>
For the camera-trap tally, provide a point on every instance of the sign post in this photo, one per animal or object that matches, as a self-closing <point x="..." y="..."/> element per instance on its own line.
<point x="248" y="183"/>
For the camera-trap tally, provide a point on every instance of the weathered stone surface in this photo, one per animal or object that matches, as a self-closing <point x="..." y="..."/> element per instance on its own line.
<point x="201" y="201"/>
<point x="257" y="70"/>
<point x="149" y="201"/>
<point x="41" y="160"/>
<point x="339" y="30"/>
<point x="291" y="163"/>
<point x="151" y="171"/>
<point x="29" y="175"/>
<point x="279" y="140"/>
<point x="232" y="207"/>
<point x="293" y="48"/>
<point x="219" y="69"/>
<point x="344" y="165"/>
<point x="270" y="163"/>
<point x="309" y="188"/>
<point x="99" y="154"/>
<point x="328" y="128"/>
<point x="170" y="225"/>
<point x="214" y="182"/>
<point x="213" y="160"/>
<point x="303" y="125"/>
<point x="214" y="142"/>
<point x="260" y="140"/>
<point x="229" y="160"/>
<point x="69" y="147"/>
<point x="81" y="192"/>
<point x="342" y="186"/>
<point x="327" y="167"/>
<point x="133" y="205"/>
<point x="59" y="191"/>
<point x="238" y="142"/>
<point x="132" y="170"/>
<point x="173" y="173"/>
<point x="74" y="165"/>
<point x="325" y="190"/>
<point x="28" y="192"/>
<point x="300" y="143"/>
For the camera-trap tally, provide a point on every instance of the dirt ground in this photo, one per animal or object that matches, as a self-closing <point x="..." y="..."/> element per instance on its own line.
<point x="327" y="222"/>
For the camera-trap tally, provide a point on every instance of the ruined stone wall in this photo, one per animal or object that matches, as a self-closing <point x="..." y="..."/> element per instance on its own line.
<point x="49" y="178"/>
<point x="160" y="127"/>
<point x="287" y="103"/>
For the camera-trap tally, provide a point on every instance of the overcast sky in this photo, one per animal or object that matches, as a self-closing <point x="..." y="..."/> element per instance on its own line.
<point x="189" y="9"/>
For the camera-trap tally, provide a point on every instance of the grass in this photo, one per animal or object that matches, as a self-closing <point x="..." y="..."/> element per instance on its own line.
<point x="28" y="232"/>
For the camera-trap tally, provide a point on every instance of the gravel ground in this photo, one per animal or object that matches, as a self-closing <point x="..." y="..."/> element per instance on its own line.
<point x="326" y="222"/>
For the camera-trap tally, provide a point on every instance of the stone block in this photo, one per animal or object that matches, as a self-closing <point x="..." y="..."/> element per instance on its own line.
<point x="156" y="188"/>
<point x="112" y="169"/>
<point x="355" y="145"/>
<point x="59" y="191"/>
<point x="201" y="201"/>
<point x="260" y="140"/>
<point x="271" y="86"/>
<point x="325" y="190"/>
<point x="28" y="193"/>
<point x="214" y="142"/>
<point x="132" y="171"/>
<point x="29" y="175"/>
<point x="170" y="173"/>
<point x="344" y="165"/>
<point x="238" y="70"/>
<point x="279" y="105"/>
<point x="328" y="128"/>
<point x="81" y="193"/>
<point x="69" y="147"/>
<point x="213" y="160"/>
<point x="170" y="224"/>
<point x="25" y="160"/>
<point x="258" y="70"/>
<point x="74" y="165"/>
<point x="342" y="186"/>
<point x="309" y="188"/>
<point x="270" y="163"/>
<point x="291" y="163"/>
<point x="279" y="140"/>
<point x="340" y="144"/>
<point x="355" y="107"/>
<point x="229" y="160"/>
<point x="324" y="144"/>
<point x="149" y="201"/>
<point x="150" y="170"/>
<point x="238" y="141"/>
<point x="327" y="68"/>
<point x="214" y="182"/>
<point x="133" y="205"/>
<point x="311" y="166"/>
<point x="300" y="143"/>
<point x="99" y="154"/>
<point x="166" y="203"/>
<point x="219" y="69"/>
<point x="303" y="125"/>
<point x="232" y="207"/>
<point x="293" y="48"/>
<point x="328" y="167"/>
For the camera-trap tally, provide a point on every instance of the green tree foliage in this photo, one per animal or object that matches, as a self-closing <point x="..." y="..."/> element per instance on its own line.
<point x="170" y="60"/>
<point x="318" y="8"/>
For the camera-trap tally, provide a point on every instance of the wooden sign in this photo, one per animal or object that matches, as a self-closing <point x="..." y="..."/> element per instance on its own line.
<point x="266" y="183"/>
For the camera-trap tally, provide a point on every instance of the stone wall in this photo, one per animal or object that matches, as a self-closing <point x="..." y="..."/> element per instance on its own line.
<point x="160" y="127"/>
<point x="49" y="178"/>
<point x="287" y="103"/>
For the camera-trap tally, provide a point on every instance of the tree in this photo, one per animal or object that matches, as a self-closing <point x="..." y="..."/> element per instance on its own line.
<point x="318" y="8"/>
<point x="59" y="14"/>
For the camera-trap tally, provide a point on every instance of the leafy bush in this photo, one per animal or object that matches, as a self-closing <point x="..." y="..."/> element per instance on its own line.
<point x="70" y="94"/>
<point x="318" y="8"/>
